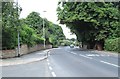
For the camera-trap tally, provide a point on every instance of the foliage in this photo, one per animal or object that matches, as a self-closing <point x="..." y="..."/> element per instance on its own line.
<point x="66" y="42"/>
<point x="9" y="38"/>
<point x="112" y="44"/>
<point x="30" y="28"/>
<point x="55" y="34"/>
<point x="91" y="21"/>
<point x="34" y="21"/>
<point x="28" y="36"/>
<point x="10" y="24"/>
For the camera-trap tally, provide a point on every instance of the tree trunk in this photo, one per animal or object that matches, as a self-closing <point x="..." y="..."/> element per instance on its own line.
<point x="98" y="46"/>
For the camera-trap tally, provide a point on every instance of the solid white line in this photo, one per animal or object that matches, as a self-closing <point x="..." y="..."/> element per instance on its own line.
<point x="85" y="56"/>
<point x="110" y="64"/>
<point x="53" y="74"/>
<point x="50" y="68"/>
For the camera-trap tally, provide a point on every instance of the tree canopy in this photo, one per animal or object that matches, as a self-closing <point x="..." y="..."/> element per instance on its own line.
<point x="91" y="21"/>
<point x="10" y="24"/>
<point x="30" y="28"/>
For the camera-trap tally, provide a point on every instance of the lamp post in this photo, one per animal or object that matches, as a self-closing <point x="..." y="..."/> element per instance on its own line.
<point x="44" y="29"/>
<point x="18" y="54"/>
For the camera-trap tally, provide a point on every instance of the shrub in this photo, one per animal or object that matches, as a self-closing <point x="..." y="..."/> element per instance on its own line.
<point x="29" y="36"/>
<point x="112" y="45"/>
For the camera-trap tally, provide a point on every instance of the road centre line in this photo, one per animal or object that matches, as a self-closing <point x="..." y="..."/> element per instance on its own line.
<point x="53" y="74"/>
<point x="48" y="63"/>
<point x="50" y="67"/>
<point x="85" y="56"/>
<point x="110" y="63"/>
<point x="47" y="60"/>
<point x="92" y="55"/>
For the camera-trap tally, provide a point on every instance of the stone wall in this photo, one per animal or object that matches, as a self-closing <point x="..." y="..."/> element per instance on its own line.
<point x="24" y="49"/>
<point x="8" y="53"/>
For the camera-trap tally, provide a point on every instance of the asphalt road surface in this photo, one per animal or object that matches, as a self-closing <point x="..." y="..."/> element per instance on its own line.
<point x="67" y="62"/>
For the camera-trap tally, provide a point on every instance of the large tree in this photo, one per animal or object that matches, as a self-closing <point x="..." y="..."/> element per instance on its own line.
<point x="10" y="23"/>
<point x="92" y="22"/>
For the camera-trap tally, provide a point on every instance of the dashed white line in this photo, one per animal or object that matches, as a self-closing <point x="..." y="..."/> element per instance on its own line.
<point x="53" y="74"/>
<point x="85" y="56"/>
<point x="73" y="53"/>
<point x="48" y="63"/>
<point x="50" y="68"/>
<point x="110" y="63"/>
<point x="93" y="55"/>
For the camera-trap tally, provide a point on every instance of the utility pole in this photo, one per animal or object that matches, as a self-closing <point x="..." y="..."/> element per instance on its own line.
<point x="18" y="35"/>
<point x="44" y="30"/>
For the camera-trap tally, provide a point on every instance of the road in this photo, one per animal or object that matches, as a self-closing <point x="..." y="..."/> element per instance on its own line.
<point x="67" y="62"/>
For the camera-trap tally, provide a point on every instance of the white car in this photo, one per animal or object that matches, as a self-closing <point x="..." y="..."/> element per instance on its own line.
<point x="71" y="46"/>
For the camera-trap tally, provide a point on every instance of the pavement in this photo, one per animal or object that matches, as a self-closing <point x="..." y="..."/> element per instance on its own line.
<point x="28" y="58"/>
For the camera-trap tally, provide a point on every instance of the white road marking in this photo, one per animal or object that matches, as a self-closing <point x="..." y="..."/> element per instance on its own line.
<point x="110" y="63"/>
<point x="97" y="55"/>
<point x="85" y="56"/>
<point x="73" y="53"/>
<point x="102" y="55"/>
<point x="48" y="63"/>
<point x="50" y="67"/>
<point x="93" y="55"/>
<point x="53" y="74"/>
<point x="47" y="60"/>
<point x="90" y="55"/>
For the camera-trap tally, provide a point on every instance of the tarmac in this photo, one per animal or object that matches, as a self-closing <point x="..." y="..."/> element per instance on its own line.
<point x="35" y="56"/>
<point x="24" y="59"/>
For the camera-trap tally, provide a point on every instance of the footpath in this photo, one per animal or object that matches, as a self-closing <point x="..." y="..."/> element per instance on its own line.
<point x="28" y="58"/>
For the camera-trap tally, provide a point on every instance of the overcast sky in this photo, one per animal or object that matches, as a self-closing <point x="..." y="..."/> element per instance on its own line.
<point x="49" y="6"/>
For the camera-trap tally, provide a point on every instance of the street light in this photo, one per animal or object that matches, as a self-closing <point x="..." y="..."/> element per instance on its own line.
<point x="18" y="54"/>
<point x="44" y="29"/>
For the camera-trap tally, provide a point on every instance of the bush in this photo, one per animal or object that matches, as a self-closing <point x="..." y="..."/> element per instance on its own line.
<point x="112" y="45"/>
<point x="29" y="36"/>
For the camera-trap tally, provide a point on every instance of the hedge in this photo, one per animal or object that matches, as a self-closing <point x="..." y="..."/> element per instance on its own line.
<point x="112" y="45"/>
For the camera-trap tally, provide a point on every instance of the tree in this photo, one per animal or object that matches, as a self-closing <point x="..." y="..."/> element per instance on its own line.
<point x="30" y="28"/>
<point x="10" y="24"/>
<point x="34" y="21"/>
<point x="55" y="34"/>
<point x="92" y="22"/>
